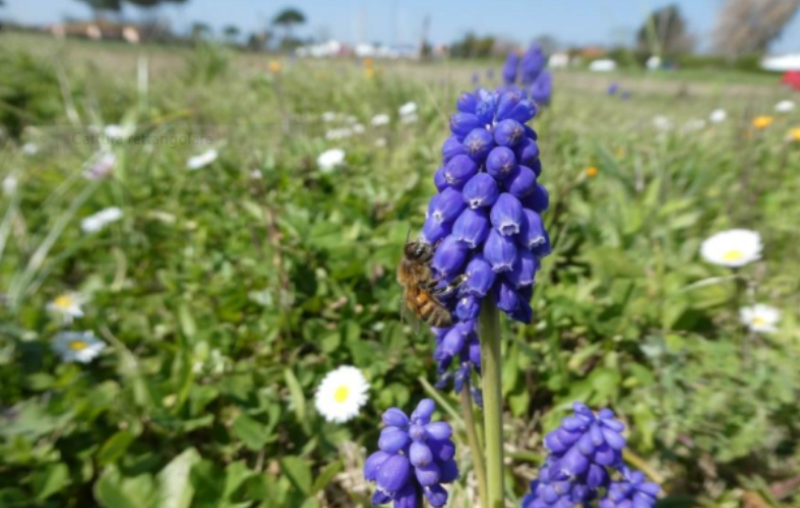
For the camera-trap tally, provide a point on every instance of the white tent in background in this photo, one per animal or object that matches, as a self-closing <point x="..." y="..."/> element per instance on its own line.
<point x="781" y="63"/>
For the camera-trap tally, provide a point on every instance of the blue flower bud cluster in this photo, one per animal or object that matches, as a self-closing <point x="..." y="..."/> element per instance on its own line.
<point x="585" y="451"/>
<point x="486" y="219"/>
<point x="536" y="80"/>
<point x="415" y="457"/>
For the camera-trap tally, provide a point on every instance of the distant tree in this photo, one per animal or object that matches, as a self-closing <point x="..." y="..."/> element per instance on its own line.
<point x="200" y="30"/>
<point x="100" y="6"/>
<point x="472" y="46"/>
<point x="287" y="19"/>
<point x="548" y="43"/>
<point x="664" y="33"/>
<point x="231" y="33"/>
<point x="153" y="3"/>
<point x="257" y="41"/>
<point x="749" y="26"/>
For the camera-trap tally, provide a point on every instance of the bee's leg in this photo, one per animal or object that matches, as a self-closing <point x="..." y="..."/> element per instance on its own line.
<point x="452" y="287"/>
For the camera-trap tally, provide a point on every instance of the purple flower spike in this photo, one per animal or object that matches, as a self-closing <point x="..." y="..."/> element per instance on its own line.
<point x="510" y="68"/>
<point x="419" y="467"/>
<point x="491" y="242"/>
<point x="501" y="163"/>
<point x="459" y="170"/>
<point x="582" y="463"/>
<point x="472" y="227"/>
<point x="481" y="191"/>
<point x="506" y="215"/>
<point x="500" y="252"/>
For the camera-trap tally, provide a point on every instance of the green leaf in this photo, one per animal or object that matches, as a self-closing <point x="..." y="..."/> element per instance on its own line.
<point x="253" y="434"/>
<point x="174" y="488"/>
<point x="188" y="326"/>
<point x="114" y="491"/>
<point x="50" y="480"/>
<point x="326" y="476"/>
<point x="115" y="447"/>
<point x="296" y="392"/>
<point x="298" y="471"/>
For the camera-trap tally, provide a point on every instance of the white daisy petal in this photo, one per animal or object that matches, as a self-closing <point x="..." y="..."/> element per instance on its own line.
<point x="784" y="106"/>
<point x="82" y="347"/>
<point x="202" y="160"/>
<point x="409" y="108"/>
<point x="330" y="159"/>
<point x="382" y="119"/>
<point x="733" y="248"/>
<point x="341" y="394"/>
<point x="760" y="318"/>
<point x="99" y="220"/>
<point x="718" y="116"/>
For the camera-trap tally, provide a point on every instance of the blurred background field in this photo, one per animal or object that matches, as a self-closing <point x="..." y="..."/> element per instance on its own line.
<point x="230" y="285"/>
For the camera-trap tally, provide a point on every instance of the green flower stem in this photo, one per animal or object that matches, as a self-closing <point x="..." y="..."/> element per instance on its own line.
<point x="491" y="366"/>
<point x="474" y="443"/>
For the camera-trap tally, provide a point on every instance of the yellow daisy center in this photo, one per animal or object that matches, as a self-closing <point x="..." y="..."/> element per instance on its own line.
<point x="591" y="171"/>
<point x="733" y="255"/>
<point x="63" y="301"/>
<point x="78" y="345"/>
<point x="762" y="122"/>
<point x="341" y="393"/>
<point x="758" y="320"/>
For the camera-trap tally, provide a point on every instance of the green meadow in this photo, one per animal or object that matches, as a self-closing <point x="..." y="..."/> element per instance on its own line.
<point x="224" y="294"/>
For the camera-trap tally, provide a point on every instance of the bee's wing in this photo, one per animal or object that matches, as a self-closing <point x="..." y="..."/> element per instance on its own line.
<point x="408" y="317"/>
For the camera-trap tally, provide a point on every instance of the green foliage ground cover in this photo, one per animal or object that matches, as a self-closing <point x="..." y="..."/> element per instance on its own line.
<point x="225" y="295"/>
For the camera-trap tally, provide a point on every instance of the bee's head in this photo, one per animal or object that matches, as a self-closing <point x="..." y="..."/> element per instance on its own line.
<point x="417" y="250"/>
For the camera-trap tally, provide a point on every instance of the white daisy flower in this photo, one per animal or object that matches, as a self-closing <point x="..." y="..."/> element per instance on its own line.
<point x="718" y="116"/>
<point x="694" y="125"/>
<point x="412" y="118"/>
<point x="380" y="142"/>
<point x="30" y="148"/>
<point x="101" y="166"/>
<point x="330" y="159"/>
<point x="80" y="347"/>
<point x="336" y="134"/>
<point x="733" y="248"/>
<point x="67" y="305"/>
<point x="358" y="128"/>
<point x="98" y="221"/>
<point x="382" y="119"/>
<point x="202" y="160"/>
<point x="409" y="108"/>
<point x="784" y="106"/>
<point x="662" y="123"/>
<point x="256" y="175"/>
<point x="118" y="131"/>
<point x="328" y="116"/>
<point x="341" y="394"/>
<point x="10" y="184"/>
<point x="760" y="318"/>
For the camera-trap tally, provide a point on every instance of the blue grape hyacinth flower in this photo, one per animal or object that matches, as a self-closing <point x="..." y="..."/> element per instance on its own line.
<point x="415" y="457"/>
<point x="532" y="63"/>
<point x="585" y="453"/>
<point x="485" y="221"/>
<point x="510" y="68"/>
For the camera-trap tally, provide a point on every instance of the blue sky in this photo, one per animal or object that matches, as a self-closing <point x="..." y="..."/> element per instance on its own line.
<point x="400" y="21"/>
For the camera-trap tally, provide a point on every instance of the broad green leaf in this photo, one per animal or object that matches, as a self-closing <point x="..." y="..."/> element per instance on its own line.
<point x="174" y="488"/>
<point x="115" y="447"/>
<point x="50" y="480"/>
<point x="252" y="433"/>
<point x="298" y="471"/>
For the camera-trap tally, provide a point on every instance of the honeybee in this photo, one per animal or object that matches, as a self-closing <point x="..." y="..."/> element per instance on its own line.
<point x="421" y="292"/>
